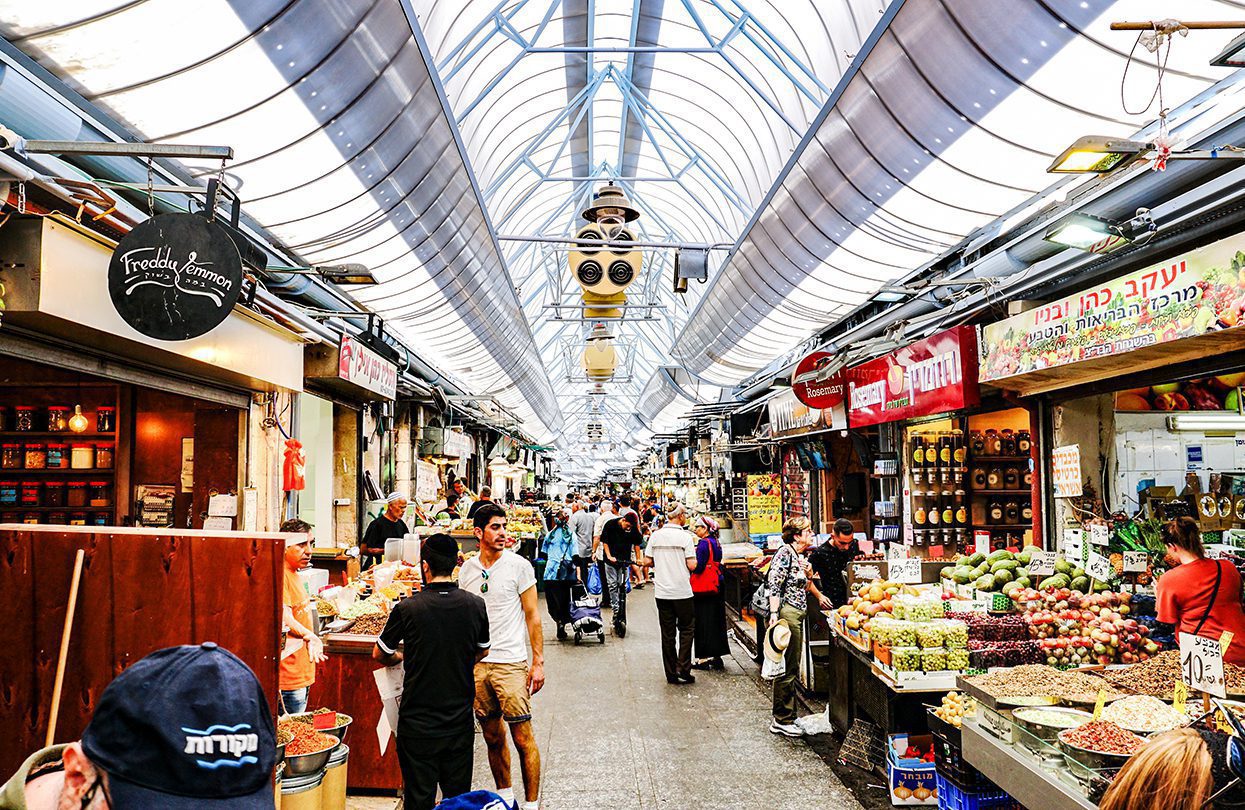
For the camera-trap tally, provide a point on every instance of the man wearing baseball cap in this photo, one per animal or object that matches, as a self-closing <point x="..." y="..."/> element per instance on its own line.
<point x="185" y="727"/>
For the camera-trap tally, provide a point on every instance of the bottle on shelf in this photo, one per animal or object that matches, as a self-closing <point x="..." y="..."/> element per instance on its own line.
<point x="1007" y="442"/>
<point x="1011" y="513"/>
<point x="1011" y="478"/>
<point x="994" y="512"/>
<point x="946" y="450"/>
<point x="947" y="500"/>
<point x="994" y="477"/>
<point x="993" y="443"/>
<point x="1024" y="443"/>
<point x="917" y="444"/>
<point x="961" y="508"/>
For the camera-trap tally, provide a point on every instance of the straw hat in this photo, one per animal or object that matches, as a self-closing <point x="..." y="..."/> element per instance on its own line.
<point x="776" y="640"/>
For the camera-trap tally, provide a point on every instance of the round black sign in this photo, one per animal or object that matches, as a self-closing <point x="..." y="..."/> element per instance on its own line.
<point x="175" y="277"/>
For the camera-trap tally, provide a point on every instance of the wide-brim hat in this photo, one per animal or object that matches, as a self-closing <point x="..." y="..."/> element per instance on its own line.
<point x="777" y="638"/>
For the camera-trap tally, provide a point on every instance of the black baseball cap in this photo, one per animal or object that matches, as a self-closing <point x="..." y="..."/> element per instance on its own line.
<point x="185" y="727"/>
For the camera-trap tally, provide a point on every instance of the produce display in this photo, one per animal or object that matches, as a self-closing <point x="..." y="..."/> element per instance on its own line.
<point x="309" y="718"/>
<point x="1104" y="738"/>
<point x="1038" y="679"/>
<point x="999" y="572"/>
<point x="955" y="707"/>
<point x="1157" y="677"/>
<point x="372" y="606"/>
<point x="1143" y="713"/>
<point x="990" y="654"/>
<point x="987" y="627"/>
<point x="304" y="738"/>
<point x="524" y="520"/>
<point x="1049" y="718"/>
<point x="369" y="625"/>
<point x="325" y="608"/>
<point x="872" y="599"/>
<point x="1075" y="629"/>
<point x="284" y="736"/>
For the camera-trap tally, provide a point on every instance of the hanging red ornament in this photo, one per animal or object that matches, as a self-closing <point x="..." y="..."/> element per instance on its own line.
<point x="294" y="473"/>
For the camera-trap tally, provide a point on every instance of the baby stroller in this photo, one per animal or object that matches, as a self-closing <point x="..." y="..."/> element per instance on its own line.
<point x="585" y="614"/>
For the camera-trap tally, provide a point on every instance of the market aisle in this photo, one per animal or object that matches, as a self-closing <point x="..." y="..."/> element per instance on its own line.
<point x="613" y="734"/>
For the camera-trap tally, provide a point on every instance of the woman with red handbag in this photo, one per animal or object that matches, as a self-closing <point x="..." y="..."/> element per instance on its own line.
<point x="710" y="637"/>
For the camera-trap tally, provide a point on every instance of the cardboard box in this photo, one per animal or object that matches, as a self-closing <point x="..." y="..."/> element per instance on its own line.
<point x="910" y="780"/>
<point x="1152" y="498"/>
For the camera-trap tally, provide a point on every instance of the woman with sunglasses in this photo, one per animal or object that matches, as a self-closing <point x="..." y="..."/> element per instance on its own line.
<point x="1199" y="595"/>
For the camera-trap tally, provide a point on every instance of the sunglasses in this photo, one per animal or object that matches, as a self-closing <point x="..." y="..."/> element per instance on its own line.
<point x="484" y="584"/>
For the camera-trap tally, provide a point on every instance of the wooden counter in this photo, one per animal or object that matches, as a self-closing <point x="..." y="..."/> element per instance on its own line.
<point x="344" y="682"/>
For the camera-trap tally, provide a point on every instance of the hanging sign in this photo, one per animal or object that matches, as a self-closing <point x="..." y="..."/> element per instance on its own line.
<point x="1099" y="534"/>
<point x="827" y="395"/>
<point x="365" y="368"/>
<point x="1190" y="295"/>
<point x="789" y="416"/>
<point x="764" y="505"/>
<point x="931" y="376"/>
<point x="1066" y="471"/>
<point x="175" y="277"/>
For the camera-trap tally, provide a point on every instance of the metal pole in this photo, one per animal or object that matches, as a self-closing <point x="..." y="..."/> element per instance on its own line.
<point x="570" y="240"/>
<point x="165" y="150"/>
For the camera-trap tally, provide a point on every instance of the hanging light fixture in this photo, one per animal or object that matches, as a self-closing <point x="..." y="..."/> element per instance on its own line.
<point x="599" y="358"/>
<point x="78" y="422"/>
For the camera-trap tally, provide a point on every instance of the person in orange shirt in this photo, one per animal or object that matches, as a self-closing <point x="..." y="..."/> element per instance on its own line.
<point x="298" y="668"/>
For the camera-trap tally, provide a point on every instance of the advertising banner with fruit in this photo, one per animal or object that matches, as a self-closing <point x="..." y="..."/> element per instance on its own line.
<point x="932" y="376"/>
<point x="1221" y="393"/>
<point x="1191" y="295"/>
<point x="764" y="505"/>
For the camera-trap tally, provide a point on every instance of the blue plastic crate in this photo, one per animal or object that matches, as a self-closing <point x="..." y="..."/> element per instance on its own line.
<point x="952" y="797"/>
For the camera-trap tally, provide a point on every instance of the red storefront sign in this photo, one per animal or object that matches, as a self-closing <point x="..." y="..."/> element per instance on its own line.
<point x="826" y="394"/>
<point x="932" y="376"/>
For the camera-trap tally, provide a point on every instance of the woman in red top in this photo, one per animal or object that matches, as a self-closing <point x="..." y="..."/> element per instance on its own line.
<point x="1200" y="596"/>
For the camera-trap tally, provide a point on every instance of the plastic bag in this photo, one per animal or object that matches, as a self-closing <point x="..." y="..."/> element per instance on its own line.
<point x="594" y="580"/>
<point x="771" y="670"/>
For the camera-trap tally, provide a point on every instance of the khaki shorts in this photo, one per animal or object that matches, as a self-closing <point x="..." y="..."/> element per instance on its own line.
<point x="501" y="691"/>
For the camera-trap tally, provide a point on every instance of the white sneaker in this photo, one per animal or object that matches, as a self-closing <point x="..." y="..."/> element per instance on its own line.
<point x="787" y="729"/>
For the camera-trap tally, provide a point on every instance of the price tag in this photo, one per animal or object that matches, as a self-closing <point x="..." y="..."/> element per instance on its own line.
<point x="1135" y="562"/>
<point x="1073" y="544"/>
<point x="321" y="722"/>
<point x="981" y="542"/>
<point x="1225" y="641"/>
<point x="896" y="551"/>
<point x="1098" y="706"/>
<point x="1201" y="664"/>
<point x="1098" y="534"/>
<point x="1180" y="696"/>
<point x="906" y="571"/>
<point x="1042" y="563"/>
<point x="1098" y="567"/>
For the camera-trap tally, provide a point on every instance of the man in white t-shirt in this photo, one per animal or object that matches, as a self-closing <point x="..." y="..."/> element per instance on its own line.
<point x="504" y="681"/>
<point x="671" y="554"/>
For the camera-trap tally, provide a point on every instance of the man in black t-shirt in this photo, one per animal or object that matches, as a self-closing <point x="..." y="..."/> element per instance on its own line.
<point x="620" y="536"/>
<point x="386" y="526"/>
<point x="830" y="560"/>
<point x="444" y="631"/>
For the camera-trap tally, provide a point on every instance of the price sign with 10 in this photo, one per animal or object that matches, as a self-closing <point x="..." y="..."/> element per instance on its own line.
<point x="1201" y="664"/>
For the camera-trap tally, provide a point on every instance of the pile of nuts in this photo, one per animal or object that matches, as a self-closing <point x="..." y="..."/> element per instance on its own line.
<point x="369" y="625"/>
<point x="1039" y="679"/>
<point x="1103" y="737"/>
<point x="1157" y="677"/>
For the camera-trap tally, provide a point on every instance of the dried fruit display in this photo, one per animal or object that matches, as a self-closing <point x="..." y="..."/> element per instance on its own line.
<point x="1103" y="737"/>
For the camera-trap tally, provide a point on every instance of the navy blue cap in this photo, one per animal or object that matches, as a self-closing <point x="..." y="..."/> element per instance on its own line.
<point x="185" y="727"/>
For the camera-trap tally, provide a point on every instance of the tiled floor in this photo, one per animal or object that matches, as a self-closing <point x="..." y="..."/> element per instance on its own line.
<point x="613" y="734"/>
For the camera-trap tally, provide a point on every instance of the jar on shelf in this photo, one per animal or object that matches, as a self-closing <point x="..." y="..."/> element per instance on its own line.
<point x="105" y="419"/>
<point x="1011" y="478"/>
<point x="11" y="456"/>
<point x="32" y="492"/>
<point x="994" y="477"/>
<point x="993" y="443"/>
<point x="82" y="457"/>
<point x="24" y="418"/>
<point x="54" y="493"/>
<point x="58" y="418"/>
<point x="1011" y="513"/>
<point x="994" y="512"/>
<point x="75" y="493"/>
<point x="1026" y="512"/>
<point x="30" y="518"/>
<point x="58" y="518"/>
<point x="99" y="518"/>
<point x="77" y="519"/>
<point x="99" y="493"/>
<point x="976" y="443"/>
<point x="1007" y="442"/>
<point x="35" y="456"/>
<point x="1026" y="478"/>
<point x="8" y="493"/>
<point x="979" y="477"/>
<point x="1024" y="443"/>
<point x="104" y="455"/>
<point x="58" y="456"/>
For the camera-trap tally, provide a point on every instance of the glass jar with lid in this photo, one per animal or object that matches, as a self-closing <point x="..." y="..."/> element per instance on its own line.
<point x="24" y="418"/>
<point x="1007" y="442"/>
<point x="58" y="418"/>
<point x="75" y="493"/>
<point x="35" y="456"/>
<point x="77" y="519"/>
<point x="58" y="456"/>
<point x="11" y="456"/>
<point x="1024" y="443"/>
<point x="8" y="493"/>
<point x="99" y="493"/>
<point x="1011" y="478"/>
<point x="994" y="477"/>
<point x="54" y="493"/>
<point x="105" y="419"/>
<point x="32" y="492"/>
<point x="99" y="518"/>
<point x="82" y="457"/>
<point x="104" y="456"/>
<point x="57" y="518"/>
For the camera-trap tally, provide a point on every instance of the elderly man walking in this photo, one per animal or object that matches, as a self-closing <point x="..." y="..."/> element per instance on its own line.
<point x="672" y="556"/>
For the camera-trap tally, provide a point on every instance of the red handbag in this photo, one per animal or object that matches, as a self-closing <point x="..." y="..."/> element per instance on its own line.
<point x="709" y="580"/>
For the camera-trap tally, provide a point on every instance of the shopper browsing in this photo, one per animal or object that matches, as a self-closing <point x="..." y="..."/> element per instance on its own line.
<point x="582" y="524"/>
<point x="558" y="549"/>
<point x="504" y="680"/>
<point x="385" y="526"/>
<point x="443" y="632"/>
<point x="486" y="496"/>
<point x="619" y="538"/>
<point x="707" y="598"/>
<point x="298" y="665"/>
<point x="184" y="728"/>
<point x="672" y="556"/>
<point x="829" y="561"/>
<point x="1200" y="596"/>
<point x="789" y="586"/>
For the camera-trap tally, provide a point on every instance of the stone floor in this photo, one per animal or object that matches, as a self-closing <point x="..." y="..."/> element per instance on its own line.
<point x="614" y="734"/>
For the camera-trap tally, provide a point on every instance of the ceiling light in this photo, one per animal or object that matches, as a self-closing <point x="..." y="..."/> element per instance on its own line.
<point x="1098" y="154"/>
<point x="1099" y="235"/>
<point x="1227" y="422"/>
<point x="352" y="273"/>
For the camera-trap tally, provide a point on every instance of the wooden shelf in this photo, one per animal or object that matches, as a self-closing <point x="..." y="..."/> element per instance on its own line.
<point x="67" y="435"/>
<point x="983" y="459"/>
<point x="20" y="508"/>
<point x="1003" y="492"/>
<point x="19" y="472"/>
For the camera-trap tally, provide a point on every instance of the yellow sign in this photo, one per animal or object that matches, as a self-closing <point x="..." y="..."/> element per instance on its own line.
<point x="764" y="505"/>
<point x="1102" y="701"/>
<point x="1180" y="696"/>
<point x="1224" y="641"/>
